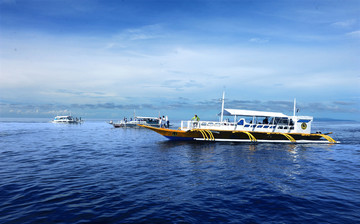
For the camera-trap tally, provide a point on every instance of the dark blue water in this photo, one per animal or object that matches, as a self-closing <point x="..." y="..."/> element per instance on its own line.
<point x="55" y="173"/>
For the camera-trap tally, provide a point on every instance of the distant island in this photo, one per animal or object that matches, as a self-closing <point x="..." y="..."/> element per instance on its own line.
<point x="322" y="119"/>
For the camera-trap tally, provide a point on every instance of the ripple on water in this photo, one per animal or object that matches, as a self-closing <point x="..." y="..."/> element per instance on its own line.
<point x="94" y="173"/>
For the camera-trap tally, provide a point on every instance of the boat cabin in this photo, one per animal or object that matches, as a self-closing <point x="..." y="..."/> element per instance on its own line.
<point x="148" y="120"/>
<point x="66" y="119"/>
<point x="257" y="121"/>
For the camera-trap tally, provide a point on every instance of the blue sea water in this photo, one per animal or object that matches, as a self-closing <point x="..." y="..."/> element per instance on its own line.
<point x="93" y="173"/>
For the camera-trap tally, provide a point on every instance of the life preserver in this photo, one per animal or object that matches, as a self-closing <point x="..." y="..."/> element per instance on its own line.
<point x="303" y="126"/>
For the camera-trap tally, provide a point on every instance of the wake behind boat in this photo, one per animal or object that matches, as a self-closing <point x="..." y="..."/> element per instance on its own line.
<point x="248" y="126"/>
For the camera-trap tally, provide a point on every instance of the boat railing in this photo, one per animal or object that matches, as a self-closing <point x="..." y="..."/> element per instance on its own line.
<point x="188" y="125"/>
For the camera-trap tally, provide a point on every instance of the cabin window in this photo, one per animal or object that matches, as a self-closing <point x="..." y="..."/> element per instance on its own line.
<point x="281" y="120"/>
<point x="291" y="122"/>
<point x="241" y="122"/>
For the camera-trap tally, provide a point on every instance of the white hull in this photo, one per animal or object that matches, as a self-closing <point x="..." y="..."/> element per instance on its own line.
<point x="66" y="120"/>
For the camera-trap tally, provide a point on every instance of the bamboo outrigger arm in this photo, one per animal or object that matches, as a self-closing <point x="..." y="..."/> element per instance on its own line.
<point x="251" y="137"/>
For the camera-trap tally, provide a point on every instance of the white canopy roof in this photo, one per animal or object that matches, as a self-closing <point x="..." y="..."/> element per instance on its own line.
<point x="252" y="113"/>
<point x="140" y="117"/>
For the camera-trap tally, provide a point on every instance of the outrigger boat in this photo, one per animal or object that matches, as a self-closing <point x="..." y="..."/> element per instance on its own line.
<point x="148" y="121"/>
<point x="274" y="127"/>
<point x="67" y="120"/>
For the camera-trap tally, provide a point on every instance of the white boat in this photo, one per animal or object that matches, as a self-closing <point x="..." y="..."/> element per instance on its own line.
<point x="133" y="123"/>
<point x="248" y="126"/>
<point x="67" y="120"/>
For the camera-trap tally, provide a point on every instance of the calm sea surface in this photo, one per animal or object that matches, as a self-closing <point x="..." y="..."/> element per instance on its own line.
<point x="93" y="173"/>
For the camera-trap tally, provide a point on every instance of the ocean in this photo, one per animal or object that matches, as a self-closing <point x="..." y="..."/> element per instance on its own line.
<point x="94" y="173"/>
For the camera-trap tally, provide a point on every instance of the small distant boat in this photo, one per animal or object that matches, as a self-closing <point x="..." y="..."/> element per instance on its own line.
<point x="133" y="123"/>
<point x="252" y="126"/>
<point x="67" y="120"/>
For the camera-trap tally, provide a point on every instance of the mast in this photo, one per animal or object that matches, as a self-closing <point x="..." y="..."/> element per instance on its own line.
<point x="222" y="107"/>
<point x="294" y="107"/>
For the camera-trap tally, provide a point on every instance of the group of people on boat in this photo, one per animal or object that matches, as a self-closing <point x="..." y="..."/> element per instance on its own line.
<point x="130" y="119"/>
<point x="164" y="122"/>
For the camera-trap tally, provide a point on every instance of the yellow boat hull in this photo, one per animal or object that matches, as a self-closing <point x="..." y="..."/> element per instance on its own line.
<point x="240" y="136"/>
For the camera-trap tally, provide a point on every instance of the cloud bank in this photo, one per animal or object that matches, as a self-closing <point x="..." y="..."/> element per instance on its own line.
<point x="148" y="54"/>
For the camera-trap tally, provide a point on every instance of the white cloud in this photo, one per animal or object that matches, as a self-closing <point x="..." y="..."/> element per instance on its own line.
<point x="141" y="33"/>
<point x="91" y="73"/>
<point x="345" y="24"/>
<point x="355" y="34"/>
<point x="259" y="40"/>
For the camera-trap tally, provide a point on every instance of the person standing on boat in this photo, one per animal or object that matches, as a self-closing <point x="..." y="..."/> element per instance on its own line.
<point x="163" y="122"/>
<point x="160" y="122"/>
<point x="195" y="118"/>
<point x="167" y="121"/>
<point x="266" y="121"/>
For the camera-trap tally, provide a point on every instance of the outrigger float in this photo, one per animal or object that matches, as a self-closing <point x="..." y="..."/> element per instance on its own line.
<point x="252" y="126"/>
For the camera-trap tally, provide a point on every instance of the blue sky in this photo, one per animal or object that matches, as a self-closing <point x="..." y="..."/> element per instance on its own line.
<point x="105" y="59"/>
